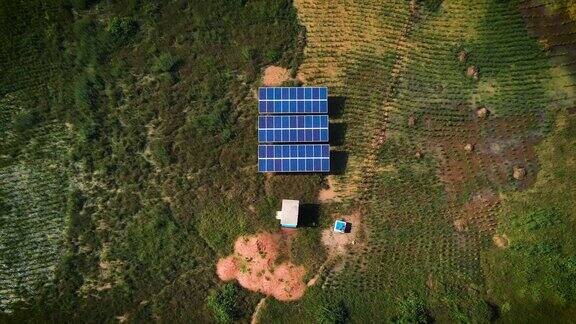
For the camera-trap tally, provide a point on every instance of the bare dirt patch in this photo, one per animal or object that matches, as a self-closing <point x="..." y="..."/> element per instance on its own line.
<point x="329" y="194"/>
<point x="460" y="225"/>
<point x="501" y="241"/>
<point x="253" y="264"/>
<point x="338" y="243"/>
<point x="275" y="76"/>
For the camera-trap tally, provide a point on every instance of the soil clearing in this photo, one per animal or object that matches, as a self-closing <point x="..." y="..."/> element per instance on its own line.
<point x="338" y="243"/>
<point x="253" y="265"/>
<point x="501" y="241"/>
<point x="275" y="76"/>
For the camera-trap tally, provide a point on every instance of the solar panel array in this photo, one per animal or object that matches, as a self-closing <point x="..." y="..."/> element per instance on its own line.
<point x="286" y="100"/>
<point x="292" y="115"/>
<point x="294" y="128"/>
<point x="294" y="158"/>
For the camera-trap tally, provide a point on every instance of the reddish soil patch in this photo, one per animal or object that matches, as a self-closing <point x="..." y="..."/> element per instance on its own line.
<point x="253" y="265"/>
<point x="554" y="30"/>
<point x="275" y="76"/>
<point x="499" y="144"/>
<point x="480" y="211"/>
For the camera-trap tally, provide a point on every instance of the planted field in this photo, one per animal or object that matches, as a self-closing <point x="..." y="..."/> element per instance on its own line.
<point x="33" y="148"/>
<point x="33" y="190"/>
<point x="443" y="101"/>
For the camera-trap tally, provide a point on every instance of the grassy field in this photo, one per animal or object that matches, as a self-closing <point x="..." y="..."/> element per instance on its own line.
<point x="127" y="160"/>
<point x="432" y="209"/>
<point x="33" y="149"/>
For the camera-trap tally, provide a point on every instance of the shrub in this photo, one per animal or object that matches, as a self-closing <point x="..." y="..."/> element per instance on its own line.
<point x="120" y="31"/>
<point x="164" y="63"/>
<point x="82" y="4"/>
<point x="222" y="302"/>
<point x="160" y="153"/>
<point x="26" y="120"/>
<point x="412" y="310"/>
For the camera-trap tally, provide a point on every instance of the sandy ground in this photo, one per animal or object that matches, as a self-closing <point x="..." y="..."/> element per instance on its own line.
<point x="275" y="76"/>
<point x="501" y="241"/>
<point x="338" y="243"/>
<point x="329" y="194"/>
<point x="253" y="265"/>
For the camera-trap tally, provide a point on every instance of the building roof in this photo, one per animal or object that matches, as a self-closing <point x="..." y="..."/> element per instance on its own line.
<point x="288" y="216"/>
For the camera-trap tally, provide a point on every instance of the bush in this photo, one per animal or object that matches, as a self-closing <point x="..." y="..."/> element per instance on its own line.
<point x="82" y="4"/>
<point x="325" y="309"/>
<point x="412" y="310"/>
<point x="160" y="153"/>
<point x="120" y="31"/>
<point x="222" y="302"/>
<point x="85" y="94"/>
<point x="164" y="63"/>
<point x="26" y="120"/>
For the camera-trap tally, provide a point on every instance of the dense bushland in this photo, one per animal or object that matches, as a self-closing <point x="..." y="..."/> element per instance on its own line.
<point x="159" y="104"/>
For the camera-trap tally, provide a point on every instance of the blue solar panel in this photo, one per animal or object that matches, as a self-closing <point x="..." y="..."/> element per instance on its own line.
<point x="294" y="151"/>
<point x="287" y="100"/>
<point x="295" y="128"/>
<point x="294" y="158"/>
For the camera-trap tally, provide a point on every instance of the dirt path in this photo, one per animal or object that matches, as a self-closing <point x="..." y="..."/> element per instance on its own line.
<point x="256" y="315"/>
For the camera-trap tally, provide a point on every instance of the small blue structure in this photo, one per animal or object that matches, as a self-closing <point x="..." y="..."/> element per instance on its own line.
<point x="340" y="226"/>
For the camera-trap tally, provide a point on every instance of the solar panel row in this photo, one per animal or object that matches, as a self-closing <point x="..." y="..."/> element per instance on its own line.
<point x="292" y="135"/>
<point x="293" y="151"/>
<point x="293" y="122"/>
<point x="292" y="93"/>
<point x="294" y="165"/>
<point x="293" y="129"/>
<point x="293" y="107"/>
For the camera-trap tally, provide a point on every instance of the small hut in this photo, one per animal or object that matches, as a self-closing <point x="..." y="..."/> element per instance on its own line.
<point x="288" y="216"/>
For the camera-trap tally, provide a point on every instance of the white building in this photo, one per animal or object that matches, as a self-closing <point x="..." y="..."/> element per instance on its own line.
<point x="288" y="216"/>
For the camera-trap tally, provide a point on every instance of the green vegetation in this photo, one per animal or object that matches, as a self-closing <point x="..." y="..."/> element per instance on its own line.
<point x="157" y="150"/>
<point x="430" y="207"/>
<point x="222" y="303"/>
<point x="537" y="272"/>
<point x="127" y="162"/>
